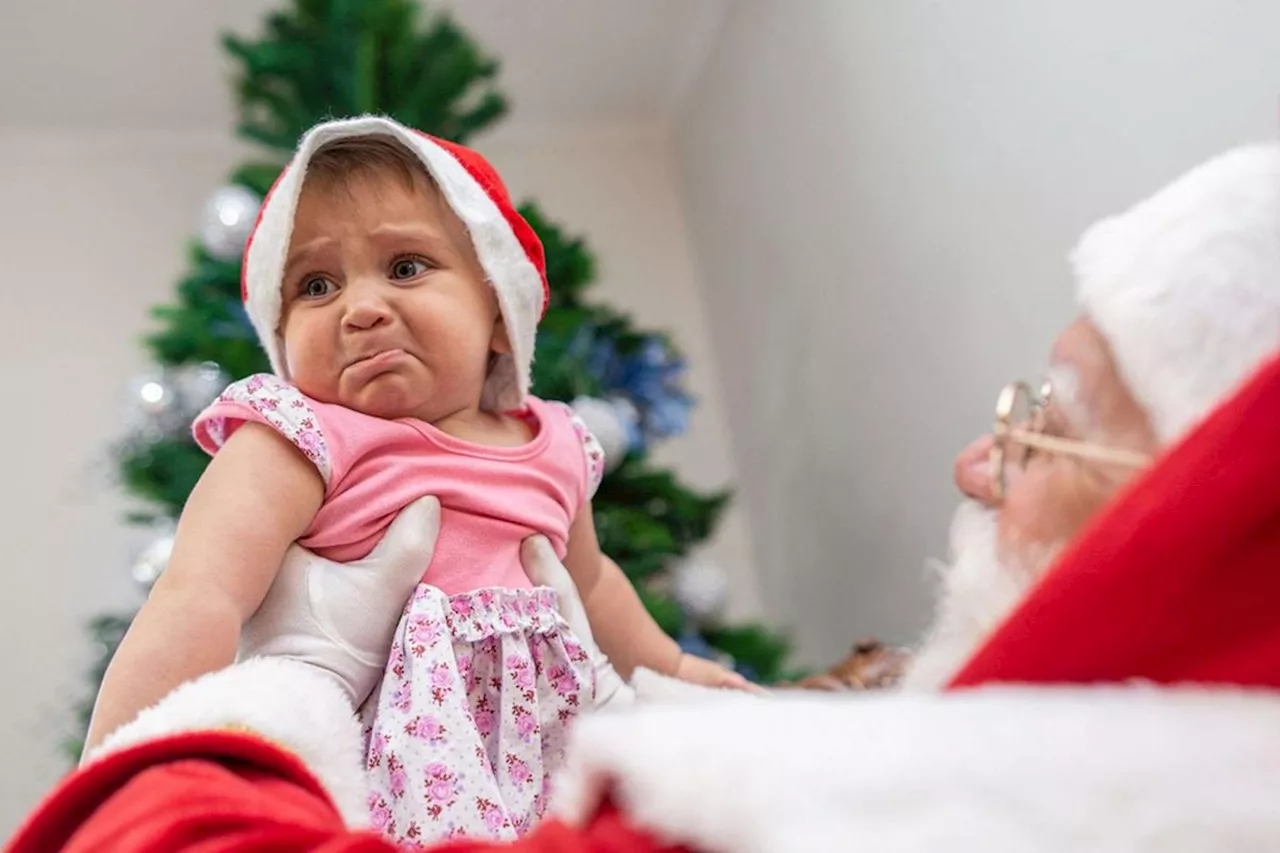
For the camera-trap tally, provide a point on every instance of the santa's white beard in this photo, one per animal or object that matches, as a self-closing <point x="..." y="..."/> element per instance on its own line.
<point x="978" y="591"/>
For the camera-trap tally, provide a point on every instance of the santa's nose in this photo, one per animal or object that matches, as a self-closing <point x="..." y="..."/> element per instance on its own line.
<point x="974" y="477"/>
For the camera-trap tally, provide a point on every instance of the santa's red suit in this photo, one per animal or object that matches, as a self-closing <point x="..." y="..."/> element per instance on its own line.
<point x="1145" y="717"/>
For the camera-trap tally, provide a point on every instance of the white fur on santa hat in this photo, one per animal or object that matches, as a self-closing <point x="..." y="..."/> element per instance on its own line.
<point x="514" y="278"/>
<point x="1186" y="285"/>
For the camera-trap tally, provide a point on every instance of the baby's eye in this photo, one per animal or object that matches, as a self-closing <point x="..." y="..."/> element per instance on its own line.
<point x="316" y="287"/>
<point x="406" y="268"/>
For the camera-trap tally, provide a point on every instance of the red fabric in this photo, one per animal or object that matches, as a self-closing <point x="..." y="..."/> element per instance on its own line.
<point x="162" y="794"/>
<point x="489" y="179"/>
<point x="257" y="221"/>
<point x="224" y="792"/>
<point x="1178" y="581"/>
<point x="608" y="832"/>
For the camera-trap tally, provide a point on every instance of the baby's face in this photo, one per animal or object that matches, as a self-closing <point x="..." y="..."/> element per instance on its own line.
<point x="386" y="308"/>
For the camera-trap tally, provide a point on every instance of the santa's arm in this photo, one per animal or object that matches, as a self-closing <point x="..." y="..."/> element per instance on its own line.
<point x="207" y="796"/>
<point x="796" y="773"/>
<point x="264" y="755"/>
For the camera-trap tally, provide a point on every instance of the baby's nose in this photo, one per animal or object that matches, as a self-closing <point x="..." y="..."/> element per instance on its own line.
<point x="364" y="311"/>
<point x="974" y="477"/>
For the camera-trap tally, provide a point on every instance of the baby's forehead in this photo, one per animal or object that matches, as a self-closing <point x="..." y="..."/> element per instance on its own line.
<point x="378" y="206"/>
<point x="369" y="196"/>
<point x="363" y="178"/>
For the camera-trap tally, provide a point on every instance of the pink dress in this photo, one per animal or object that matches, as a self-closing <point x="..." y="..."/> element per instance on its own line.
<point x="484" y="677"/>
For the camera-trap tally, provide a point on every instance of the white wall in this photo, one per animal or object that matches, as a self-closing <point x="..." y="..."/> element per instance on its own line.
<point x="618" y="187"/>
<point x="882" y="195"/>
<point x="92" y="235"/>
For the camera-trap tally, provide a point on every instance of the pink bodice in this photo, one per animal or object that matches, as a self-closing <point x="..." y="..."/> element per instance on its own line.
<point x="492" y="498"/>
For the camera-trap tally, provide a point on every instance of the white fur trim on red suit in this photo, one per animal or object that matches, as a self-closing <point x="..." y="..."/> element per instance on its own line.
<point x="1186" y="285"/>
<point x="514" y="278"/>
<point x="993" y="770"/>
<point x="294" y="705"/>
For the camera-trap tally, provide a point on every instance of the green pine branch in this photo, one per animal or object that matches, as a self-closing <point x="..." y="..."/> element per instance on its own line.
<point x="321" y="59"/>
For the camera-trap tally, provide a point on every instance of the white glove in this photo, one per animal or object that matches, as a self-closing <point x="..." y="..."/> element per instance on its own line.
<point x="545" y="569"/>
<point x="341" y="617"/>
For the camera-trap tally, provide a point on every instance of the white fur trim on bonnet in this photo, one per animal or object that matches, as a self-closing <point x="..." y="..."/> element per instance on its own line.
<point x="512" y="262"/>
<point x="1185" y="286"/>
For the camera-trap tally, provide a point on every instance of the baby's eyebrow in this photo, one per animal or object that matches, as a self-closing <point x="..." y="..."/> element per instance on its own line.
<point x="410" y="231"/>
<point x="297" y="253"/>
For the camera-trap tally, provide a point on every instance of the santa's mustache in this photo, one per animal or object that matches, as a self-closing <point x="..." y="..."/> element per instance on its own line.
<point x="977" y="590"/>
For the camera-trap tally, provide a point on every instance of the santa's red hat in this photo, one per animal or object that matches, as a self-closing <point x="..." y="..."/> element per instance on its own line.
<point x="507" y="247"/>
<point x="1185" y="286"/>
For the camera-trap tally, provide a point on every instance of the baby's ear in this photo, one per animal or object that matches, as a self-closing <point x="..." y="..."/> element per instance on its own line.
<point x="501" y="341"/>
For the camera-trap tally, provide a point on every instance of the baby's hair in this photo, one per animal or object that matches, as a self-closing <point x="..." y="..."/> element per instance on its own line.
<point x="335" y="163"/>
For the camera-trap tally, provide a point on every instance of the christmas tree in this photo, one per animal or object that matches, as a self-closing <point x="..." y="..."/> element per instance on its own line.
<point x="318" y="59"/>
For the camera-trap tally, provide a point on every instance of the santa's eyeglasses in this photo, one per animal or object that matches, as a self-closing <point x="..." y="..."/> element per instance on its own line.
<point x="1019" y="433"/>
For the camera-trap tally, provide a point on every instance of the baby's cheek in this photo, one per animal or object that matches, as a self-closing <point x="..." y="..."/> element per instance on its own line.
<point x="306" y="349"/>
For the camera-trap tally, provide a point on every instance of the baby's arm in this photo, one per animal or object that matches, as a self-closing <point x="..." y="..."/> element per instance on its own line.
<point x="257" y="496"/>
<point x="624" y="630"/>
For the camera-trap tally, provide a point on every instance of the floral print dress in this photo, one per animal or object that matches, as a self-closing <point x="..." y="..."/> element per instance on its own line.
<point x="469" y="723"/>
<point x="485" y="677"/>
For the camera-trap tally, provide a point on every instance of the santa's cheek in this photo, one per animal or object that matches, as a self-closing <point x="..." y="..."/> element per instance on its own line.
<point x="1045" y="508"/>
<point x="1033" y="519"/>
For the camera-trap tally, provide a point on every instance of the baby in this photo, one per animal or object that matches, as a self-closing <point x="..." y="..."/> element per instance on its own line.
<point x="397" y="293"/>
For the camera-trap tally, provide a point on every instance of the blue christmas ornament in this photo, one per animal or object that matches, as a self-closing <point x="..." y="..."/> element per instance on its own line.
<point x="669" y="416"/>
<point x="651" y="377"/>
<point x="602" y="359"/>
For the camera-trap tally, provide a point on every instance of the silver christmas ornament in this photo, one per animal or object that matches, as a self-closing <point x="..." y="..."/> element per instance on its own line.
<point x="198" y="385"/>
<point x="607" y="420"/>
<point x="155" y="404"/>
<point x="226" y="221"/>
<point x="700" y="586"/>
<point x="163" y="403"/>
<point x="152" y="562"/>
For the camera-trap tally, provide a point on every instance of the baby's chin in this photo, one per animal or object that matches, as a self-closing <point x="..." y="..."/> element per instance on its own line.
<point x="380" y="401"/>
<point x="389" y="396"/>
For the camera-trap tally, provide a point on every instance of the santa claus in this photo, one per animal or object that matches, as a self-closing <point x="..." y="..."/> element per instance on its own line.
<point x="1101" y="674"/>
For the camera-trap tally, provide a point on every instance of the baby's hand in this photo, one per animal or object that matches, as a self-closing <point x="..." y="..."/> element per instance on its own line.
<point x="708" y="673"/>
